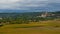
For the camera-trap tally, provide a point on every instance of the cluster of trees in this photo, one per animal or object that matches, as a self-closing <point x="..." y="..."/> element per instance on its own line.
<point x="22" y="18"/>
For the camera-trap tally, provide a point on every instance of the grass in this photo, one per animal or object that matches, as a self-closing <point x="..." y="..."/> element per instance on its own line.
<point x="45" y="27"/>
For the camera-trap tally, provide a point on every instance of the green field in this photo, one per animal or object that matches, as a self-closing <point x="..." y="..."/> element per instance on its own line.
<point x="47" y="27"/>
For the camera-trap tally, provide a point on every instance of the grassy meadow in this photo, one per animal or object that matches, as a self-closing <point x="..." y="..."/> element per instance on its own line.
<point x="42" y="27"/>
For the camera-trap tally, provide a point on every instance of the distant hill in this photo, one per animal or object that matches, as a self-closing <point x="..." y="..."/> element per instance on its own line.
<point x="21" y="11"/>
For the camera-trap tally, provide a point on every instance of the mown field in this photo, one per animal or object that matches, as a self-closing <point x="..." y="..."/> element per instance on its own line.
<point x="43" y="27"/>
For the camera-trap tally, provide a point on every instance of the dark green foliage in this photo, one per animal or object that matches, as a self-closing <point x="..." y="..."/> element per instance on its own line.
<point x="25" y="18"/>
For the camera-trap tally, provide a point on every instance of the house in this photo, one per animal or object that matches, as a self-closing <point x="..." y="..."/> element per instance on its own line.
<point x="45" y="14"/>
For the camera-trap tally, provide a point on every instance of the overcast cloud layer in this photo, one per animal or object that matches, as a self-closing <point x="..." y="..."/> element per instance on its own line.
<point x="28" y="4"/>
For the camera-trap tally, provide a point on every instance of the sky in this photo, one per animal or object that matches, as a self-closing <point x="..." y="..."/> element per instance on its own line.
<point x="30" y="4"/>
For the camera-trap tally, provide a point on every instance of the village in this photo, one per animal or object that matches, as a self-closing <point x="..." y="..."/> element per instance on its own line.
<point x="47" y="14"/>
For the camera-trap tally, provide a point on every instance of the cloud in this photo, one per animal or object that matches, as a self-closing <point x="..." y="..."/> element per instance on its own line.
<point x="16" y="4"/>
<point x="25" y="4"/>
<point x="8" y="1"/>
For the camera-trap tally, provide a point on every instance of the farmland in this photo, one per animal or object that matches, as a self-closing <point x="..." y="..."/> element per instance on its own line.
<point x="46" y="27"/>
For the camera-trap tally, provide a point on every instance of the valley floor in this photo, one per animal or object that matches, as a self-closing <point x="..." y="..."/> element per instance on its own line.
<point x="46" y="27"/>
